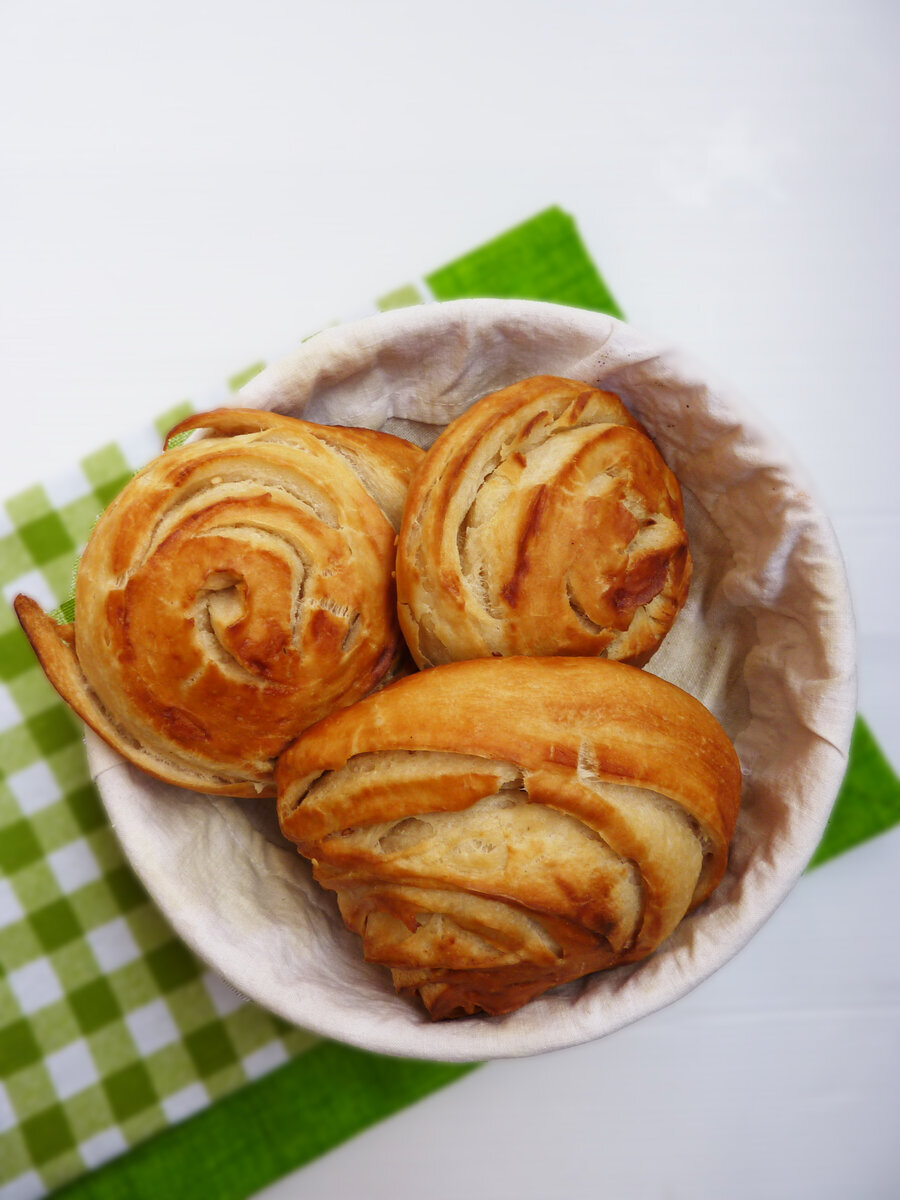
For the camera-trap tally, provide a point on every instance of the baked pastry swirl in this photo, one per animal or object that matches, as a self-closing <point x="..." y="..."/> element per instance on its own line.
<point x="542" y="521"/>
<point x="494" y="828"/>
<point x="237" y="590"/>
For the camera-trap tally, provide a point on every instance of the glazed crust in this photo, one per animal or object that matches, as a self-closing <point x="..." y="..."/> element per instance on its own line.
<point x="236" y="591"/>
<point x="493" y="828"/>
<point x="542" y="521"/>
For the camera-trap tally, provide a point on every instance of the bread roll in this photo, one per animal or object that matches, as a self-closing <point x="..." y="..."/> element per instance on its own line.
<point x="494" y="828"/>
<point x="542" y="521"/>
<point x="237" y="590"/>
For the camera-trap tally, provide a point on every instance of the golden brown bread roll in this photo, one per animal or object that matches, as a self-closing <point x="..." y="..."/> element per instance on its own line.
<point x="236" y="591"/>
<point x="542" y="521"/>
<point x="494" y="828"/>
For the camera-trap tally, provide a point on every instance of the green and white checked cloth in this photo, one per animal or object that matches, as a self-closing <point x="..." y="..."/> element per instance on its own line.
<point x="111" y="1031"/>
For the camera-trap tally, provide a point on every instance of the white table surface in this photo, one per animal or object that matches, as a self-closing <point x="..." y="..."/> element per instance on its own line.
<point x="185" y="185"/>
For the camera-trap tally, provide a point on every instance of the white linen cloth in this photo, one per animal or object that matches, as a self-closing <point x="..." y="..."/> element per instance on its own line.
<point x="766" y="641"/>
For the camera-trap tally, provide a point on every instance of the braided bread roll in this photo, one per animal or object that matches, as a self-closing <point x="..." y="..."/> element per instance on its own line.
<point x="494" y="828"/>
<point x="542" y="521"/>
<point x="236" y="591"/>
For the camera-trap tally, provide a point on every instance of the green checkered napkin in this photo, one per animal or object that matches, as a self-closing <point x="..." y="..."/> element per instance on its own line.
<point x="111" y="1031"/>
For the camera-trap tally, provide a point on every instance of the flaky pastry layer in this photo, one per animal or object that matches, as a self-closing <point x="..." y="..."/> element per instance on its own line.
<point x="542" y="521"/>
<point x="236" y="591"/>
<point x="494" y="828"/>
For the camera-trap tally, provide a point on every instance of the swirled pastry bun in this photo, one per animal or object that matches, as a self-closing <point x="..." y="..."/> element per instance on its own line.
<point x="494" y="828"/>
<point x="542" y="521"/>
<point x="236" y="591"/>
